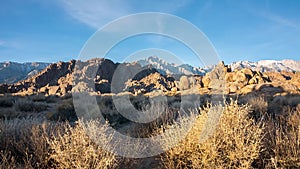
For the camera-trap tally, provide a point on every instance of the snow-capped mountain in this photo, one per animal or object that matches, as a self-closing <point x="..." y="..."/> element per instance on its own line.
<point x="268" y="65"/>
<point x="171" y="68"/>
<point x="262" y="66"/>
<point x="11" y="72"/>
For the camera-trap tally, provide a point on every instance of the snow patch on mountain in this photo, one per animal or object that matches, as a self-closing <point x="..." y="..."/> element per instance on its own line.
<point x="171" y="68"/>
<point x="268" y="65"/>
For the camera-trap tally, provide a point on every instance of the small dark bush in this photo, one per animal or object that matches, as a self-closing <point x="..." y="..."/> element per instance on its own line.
<point x="52" y="99"/>
<point x="6" y="102"/>
<point x="65" y="112"/>
<point x="31" y="106"/>
<point x="39" y="98"/>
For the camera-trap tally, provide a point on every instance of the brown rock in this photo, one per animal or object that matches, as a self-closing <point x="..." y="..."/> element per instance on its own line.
<point x="248" y="72"/>
<point x="269" y="89"/>
<point x="229" y="77"/>
<point x="184" y="83"/>
<point x="174" y="89"/>
<point x="206" y="81"/>
<point x="43" y="89"/>
<point x="233" y="88"/>
<point x="53" y="90"/>
<point x="247" y="89"/>
<point x="253" y="80"/>
<point x="289" y="87"/>
<point x="240" y="77"/>
<point x="31" y="90"/>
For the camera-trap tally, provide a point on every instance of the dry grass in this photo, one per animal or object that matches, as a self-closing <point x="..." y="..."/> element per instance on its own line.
<point x="282" y="142"/>
<point x="259" y="106"/>
<point x="23" y="143"/>
<point x="247" y="136"/>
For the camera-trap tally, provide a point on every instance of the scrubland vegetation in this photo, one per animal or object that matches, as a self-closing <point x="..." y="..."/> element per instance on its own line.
<point x="253" y="132"/>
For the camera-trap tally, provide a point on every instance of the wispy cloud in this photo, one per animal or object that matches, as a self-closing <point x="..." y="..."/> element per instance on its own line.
<point x="280" y="19"/>
<point x="265" y="12"/>
<point x="263" y="45"/>
<point x="96" y="13"/>
<point x="2" y="43"/>
<point x="206" y="6"/>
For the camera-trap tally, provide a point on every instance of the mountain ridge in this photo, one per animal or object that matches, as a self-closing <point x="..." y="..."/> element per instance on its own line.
<point x="101" y="76"/>
<point x="12" y="72"/>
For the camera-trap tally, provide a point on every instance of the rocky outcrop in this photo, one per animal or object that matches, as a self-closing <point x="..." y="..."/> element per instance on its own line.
<point x="152" y="80"/>
<point x="245" y="80"/>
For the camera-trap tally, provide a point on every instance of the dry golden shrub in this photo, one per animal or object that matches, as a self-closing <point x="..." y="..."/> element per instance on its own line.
<point x="7" y="161"/>
<point x="259" y="104"/>
<point x="235" y="143"/>
<point x="33" y="143"/>
<point x="282" y="141"/>
<point x="74" y="149"/>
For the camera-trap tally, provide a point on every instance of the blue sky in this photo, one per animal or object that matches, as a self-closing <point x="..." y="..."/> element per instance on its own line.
<point x="56" y="30"/>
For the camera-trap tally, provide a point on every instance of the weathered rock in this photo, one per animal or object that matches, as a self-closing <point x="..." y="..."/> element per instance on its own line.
<point x="65" y="88"/>
<point x="184" y="83"/>
<point x="154" y="81"/>
<point x="206" y="81"/>
<point x="53" y="90"/>
<point x="31" y="90"/>
<point x="43" y="89"/>
<point x="174" y="89"/>
<point x="253" y="80"/>
<point x="248" y="72"/>
<point x="289" y="87"/>
<point x="233" y="88"/>
<point x="247" y="89"/>
<point x="241" y="78"/>
<point x="215" y="80"/>
<point x="269" y="89"/>
<point x="229" y="77"/>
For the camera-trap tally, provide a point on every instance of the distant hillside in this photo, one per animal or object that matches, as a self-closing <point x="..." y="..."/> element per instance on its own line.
<point x="11" y="72"/>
